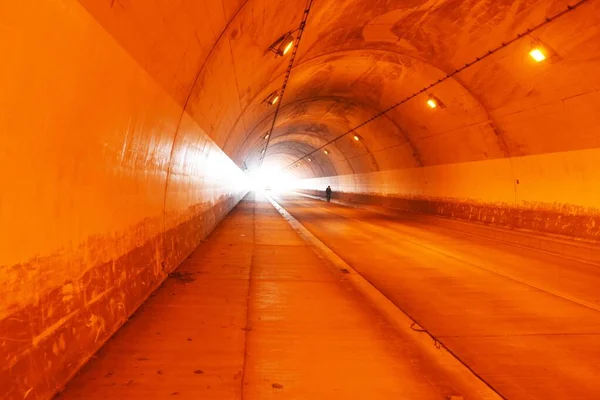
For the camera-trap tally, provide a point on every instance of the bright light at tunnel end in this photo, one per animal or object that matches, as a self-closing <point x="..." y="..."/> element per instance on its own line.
<point x="268" y="179"/>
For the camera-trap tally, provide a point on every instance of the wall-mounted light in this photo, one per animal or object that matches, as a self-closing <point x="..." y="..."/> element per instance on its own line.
<point x="266" y="136"/>
<point x="326" y="152"/>
<point x="283" y="45"/>
<point x="433" y="102"/>
<point x="309" y="159"/>
<point x="262" y="151"/>
<point x="356" y="137"/>
<point x="272" y="99"/>
<point x="288" y="46"/>
<point x="537" y="54"/>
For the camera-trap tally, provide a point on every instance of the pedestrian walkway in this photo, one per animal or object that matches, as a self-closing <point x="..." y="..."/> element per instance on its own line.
<point x="254" y="313"/>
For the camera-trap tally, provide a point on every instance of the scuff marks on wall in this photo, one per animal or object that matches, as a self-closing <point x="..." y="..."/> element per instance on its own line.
<point x="46" y="341"/>
<point x="484" y="191"/>
<point x="537" y="218"/>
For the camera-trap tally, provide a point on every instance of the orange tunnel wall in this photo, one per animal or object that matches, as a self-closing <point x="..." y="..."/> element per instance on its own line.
<point x="517" y="143"/>
<point x="554" y="193"/>
<point x="108" y="186"/>
<point x="123" y="123"/>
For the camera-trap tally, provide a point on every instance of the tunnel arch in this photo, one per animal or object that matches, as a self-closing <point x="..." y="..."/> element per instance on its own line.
<point x="125" y="124"/>
<point x="325" y="62"/>
<point x="328" y="129"/>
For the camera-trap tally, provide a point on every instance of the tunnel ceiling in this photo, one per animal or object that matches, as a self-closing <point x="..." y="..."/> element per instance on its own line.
<point x="358" y="57"/>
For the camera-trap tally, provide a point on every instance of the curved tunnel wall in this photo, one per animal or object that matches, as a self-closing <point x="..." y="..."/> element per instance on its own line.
<point x="108" y="186"/>
<point x="517" y="142"/>
<point x="123" y="124"/>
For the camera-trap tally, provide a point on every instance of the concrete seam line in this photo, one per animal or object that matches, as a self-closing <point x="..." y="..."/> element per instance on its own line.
<point x="287" y="76"/>
<point x="461" y="375"/>
<point x="248" y="327"/>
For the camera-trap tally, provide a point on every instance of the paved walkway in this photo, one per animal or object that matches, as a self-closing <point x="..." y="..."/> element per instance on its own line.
<point x="253" y="313"/>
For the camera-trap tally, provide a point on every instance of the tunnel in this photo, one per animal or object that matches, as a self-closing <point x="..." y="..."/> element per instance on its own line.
<point x="164" y="227"/>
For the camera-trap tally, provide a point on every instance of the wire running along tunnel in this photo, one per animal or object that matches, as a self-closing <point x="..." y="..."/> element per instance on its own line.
<point x="127" y="128"/>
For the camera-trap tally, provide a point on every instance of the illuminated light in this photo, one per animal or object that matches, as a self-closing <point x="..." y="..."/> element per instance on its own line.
<point x="269" y="178"/>
<point x="266" y="136"/>
<point x="433" y="102"/>
<point x="288" y="47"/>
<point x="326" y="151"/>
<point x="537" y="54"/>
<point x="262" y="151"/>
<point x="357" y="138"/>
<point x="272" y="99"/>
<point x="309" y="159"/>
<point x="283" y="45"/>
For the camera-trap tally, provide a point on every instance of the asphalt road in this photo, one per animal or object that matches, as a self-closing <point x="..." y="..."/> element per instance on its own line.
<point x="527" y="322"/>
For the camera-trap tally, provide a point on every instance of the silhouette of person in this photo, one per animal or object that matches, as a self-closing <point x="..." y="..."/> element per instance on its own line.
<point x="328" y="193"/>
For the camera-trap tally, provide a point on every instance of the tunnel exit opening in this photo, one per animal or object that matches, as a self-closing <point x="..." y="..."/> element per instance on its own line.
<point x="270" y="178"/>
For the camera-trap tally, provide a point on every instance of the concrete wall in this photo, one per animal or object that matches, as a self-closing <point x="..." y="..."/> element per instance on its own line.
<point x="107" y="185"/>
<point x="557" y="193"/>
<point x="516" y="143"/>
<point x="113" y="115"/>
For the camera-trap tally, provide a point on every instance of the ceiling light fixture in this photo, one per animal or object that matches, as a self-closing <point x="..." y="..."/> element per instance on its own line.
<point x="357" y="138"/>
<point x="537" y="54"/>
<point x="266" y="136"/>
<point x="433" y="102"/>
<point x="272" y="98"/>
<point x="283" y="45"/>
<point x="326" y="151"/>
